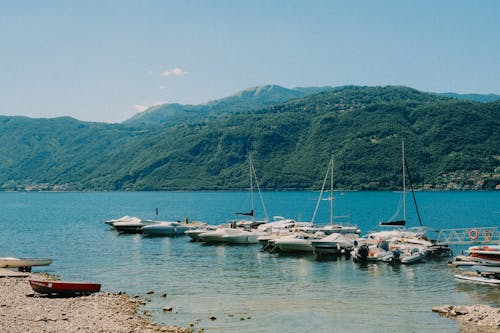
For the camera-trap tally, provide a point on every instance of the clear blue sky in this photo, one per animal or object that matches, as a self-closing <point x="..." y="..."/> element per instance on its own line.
<point x="105" y="60"/>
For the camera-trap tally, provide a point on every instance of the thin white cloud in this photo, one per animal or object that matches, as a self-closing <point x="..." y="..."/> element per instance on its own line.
<point x="162" y="87"/>
<point x="139" y="107"/>
<point x="174" y="72"/>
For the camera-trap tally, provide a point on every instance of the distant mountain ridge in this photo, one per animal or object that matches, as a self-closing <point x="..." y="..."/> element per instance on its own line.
<point x="450" y="143"/>
<point x="250" y="99"/>
<point x="482" y="98"/>
<point x="247" y="100"/>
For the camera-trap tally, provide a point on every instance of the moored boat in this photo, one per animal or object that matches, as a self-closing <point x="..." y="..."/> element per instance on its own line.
<point x="414" y="256"/>
<point x="485" y="252"/>
<point x="279" y="228"/>
<point x="485" y="255"/>
<point x="241" y="236"/>
<point x="64" y="287"/>
<point x="486" y="269"/>
<point x="120" y="219"/>
<point x="478" y="279"/>
<point x="214" y="236"/>
<point x="132" y="226"/>
<point x="195" y="233"/>
<point x="230" y="235"/>
<point x="334" y="244"/>
<point x="296" y="242"/>
<point x="170" y="228"/>
<point x="463" y="261"/>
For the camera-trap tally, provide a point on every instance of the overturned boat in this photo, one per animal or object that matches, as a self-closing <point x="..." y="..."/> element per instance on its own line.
<point x="23" y="264"/>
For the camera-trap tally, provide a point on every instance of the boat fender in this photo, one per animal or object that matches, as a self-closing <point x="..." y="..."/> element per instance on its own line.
<point x="487" y="235"/>
<point x="473" y="234"/>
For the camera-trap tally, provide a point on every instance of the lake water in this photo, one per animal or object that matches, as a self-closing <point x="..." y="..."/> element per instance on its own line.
<point x="245" y="289"/>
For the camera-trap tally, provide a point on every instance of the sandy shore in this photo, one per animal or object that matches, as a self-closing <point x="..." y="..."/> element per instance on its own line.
<point x="21" y="310"/>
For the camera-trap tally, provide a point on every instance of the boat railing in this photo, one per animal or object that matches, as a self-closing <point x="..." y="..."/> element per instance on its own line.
<point x="466" y="236"/>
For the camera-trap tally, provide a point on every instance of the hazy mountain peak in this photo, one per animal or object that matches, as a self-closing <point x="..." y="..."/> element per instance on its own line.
<point x="252" y="98"/>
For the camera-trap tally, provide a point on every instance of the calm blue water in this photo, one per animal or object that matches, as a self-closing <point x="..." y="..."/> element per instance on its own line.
<point x="272" y="293"/>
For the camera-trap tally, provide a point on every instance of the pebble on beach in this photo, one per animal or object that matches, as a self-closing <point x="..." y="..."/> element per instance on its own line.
<point x="478" y="315"/>
<point x="101" y="312"/>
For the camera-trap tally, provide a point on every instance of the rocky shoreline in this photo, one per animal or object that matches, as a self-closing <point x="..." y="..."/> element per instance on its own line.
<point x="475" y="318"/>
<point x="21" y="310"/>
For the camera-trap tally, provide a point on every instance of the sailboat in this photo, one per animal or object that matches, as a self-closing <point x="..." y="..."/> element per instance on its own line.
<point x="400" y="223"/>
<point x="398" y="245"/>
<point x="304" y="239"/>
<point x="240" y="231"/>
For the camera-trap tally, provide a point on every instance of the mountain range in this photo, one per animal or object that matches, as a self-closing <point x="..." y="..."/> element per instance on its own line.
<point x="292" y="133"/>
<point x="244" y="101"/>
<point x="249" y="99"/>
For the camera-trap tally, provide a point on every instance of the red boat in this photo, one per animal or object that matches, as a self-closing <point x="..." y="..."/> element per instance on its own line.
<point x="64" y="288"/>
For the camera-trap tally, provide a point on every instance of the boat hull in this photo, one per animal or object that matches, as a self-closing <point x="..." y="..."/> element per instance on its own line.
<point x="64" y="288"/>
<point x="478" y="279"/>
<point x="195" y="234"/>
<point x="244" y="238"/>
<point x="212" y="237"/>
<point x="15" y="262"/>
<point x="174" y="229"/>
<point x="293" y="246"/>
<point x="413" y="259"/>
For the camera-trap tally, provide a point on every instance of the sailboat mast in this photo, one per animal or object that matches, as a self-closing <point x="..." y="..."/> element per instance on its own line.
<point x="331" y="192"/>
<point x="404" y="179"/>
<point x="250" y="162"/>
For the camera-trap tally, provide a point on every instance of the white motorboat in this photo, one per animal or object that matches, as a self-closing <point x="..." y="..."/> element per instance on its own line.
<point x="170" y="228"/>
<point x="279" y="228"/>
<point x="332" y="229"/>
<point x="409" y="250"/>
<point x="132" y="226"/>
<point x="7" y="262"/>
<point x="297" y="242"/>
<point x="195" y="233"/>
<point x="391" y="234"/>
<point x="120" y="219"/>
<point x="241" y="236"/>
<point x="334" y="243"/>
<point x="230" y="235"/>
<point x="478" y="279"/>
<point x="366" y="251"/>
<point x="464" y="261"/>
<point x="214" y="236"/>
<point x="480" y="269"/>
<point x="414" y="256"/>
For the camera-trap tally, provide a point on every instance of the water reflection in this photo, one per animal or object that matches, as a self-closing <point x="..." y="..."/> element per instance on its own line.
<point x="480" y="293"/>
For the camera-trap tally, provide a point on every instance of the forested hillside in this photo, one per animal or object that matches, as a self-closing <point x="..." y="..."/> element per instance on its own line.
<point x="449" y="144"/>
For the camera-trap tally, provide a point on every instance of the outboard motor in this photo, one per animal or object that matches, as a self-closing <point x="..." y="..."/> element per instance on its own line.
<point x="361" y="253"/>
